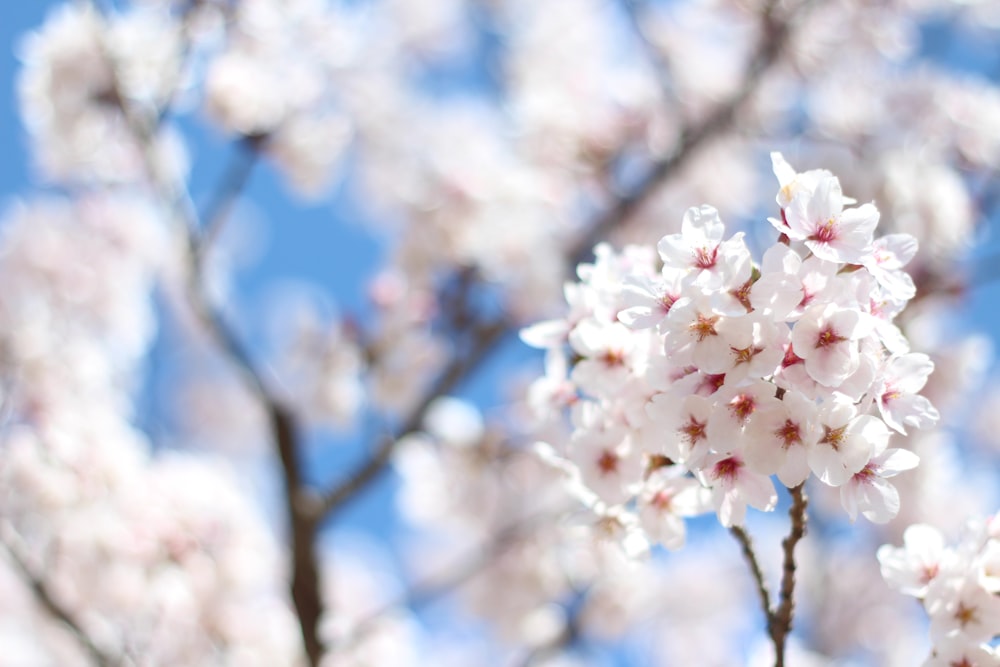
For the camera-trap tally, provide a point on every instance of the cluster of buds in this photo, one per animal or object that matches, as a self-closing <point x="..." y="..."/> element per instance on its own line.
<point x="693" y="374"/>
<point x="959" y="587"/>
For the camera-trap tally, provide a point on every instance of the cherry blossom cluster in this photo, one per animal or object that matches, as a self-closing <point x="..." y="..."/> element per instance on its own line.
<point x="693" y="374"/>
<point x="958" y="587"/>
<point x="143" y="551"/>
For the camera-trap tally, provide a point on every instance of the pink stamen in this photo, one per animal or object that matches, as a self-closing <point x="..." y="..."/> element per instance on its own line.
<point x="825" y="232"/>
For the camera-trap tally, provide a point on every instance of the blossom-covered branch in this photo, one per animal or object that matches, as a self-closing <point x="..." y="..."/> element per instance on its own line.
<point x="51" y="605"/>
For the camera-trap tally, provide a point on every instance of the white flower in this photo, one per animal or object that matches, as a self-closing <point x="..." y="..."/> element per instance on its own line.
<point x="734" y="408"/>
<point x="711" y="263"/>
<point x="734" y="486"/>
<point x="779" y="290"/>
<point x="966" y="610"/>
<point x="553" y="392"/>
<point x="683" y="423"/>
<point x="756" y="346"/>
<point x="606" y="349"/>
<point x="666" y="498"/>
<point x="609" y="463"/>
<point x="826" y="338"/>
<point x="898" y="402"/>
<point x="554" y="333"/>
<point x="779" y="438"/>
<point x="957" y="651"/>
<point x="647" y="301"/>
<point x="846" y="441"/>
<point x="792" y="183"/>
<point x="868" y="491"/>
<point x="885" y="262"/>
<point x="695" y="333"/>
<point x="830" y="232"/>
<point x="912" y="567"/>
<point x="817" y="279"/>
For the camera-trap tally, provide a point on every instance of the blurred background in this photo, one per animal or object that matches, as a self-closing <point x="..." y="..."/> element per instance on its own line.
<point x="264" y="266"/>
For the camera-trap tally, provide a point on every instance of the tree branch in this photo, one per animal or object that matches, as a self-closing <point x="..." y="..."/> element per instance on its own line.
<point x="779" y="618"/>
<point x="485" y="338"/>
<point x="780" y="622"/>
<point x="228" y="190"/>
<point x="657" y="60"/>
<point x="774" y="38"/>
<point x="560" y="642"/>
<point x="45" y="598"/>
<point x="743" y="537"/>
<point x="176" y="201"/>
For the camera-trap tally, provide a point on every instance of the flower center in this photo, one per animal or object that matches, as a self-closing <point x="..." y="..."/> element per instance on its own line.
<point x="711" y="383"/>
<point x="613" y="357"/>
<point x="662" y="500"/>
<point x="694" y="430"/>
<point x="667" y="302"/>
<point x="705" y="258"/>
<point x="743" y="406"/>
<point x="826" y="232"/>
<point x="742" y="294"/>
<point x="607" y="463"/>
<point x="890" y="394"/>
<point x="789" y="434"/>
<point x="705" y="327"/>
<point x="867" y="474"/>
<point x="728" y="469"/>
<point x="828" y="337"/>
<point x="746" y="355"/>
<point x="833" y="437"/>
<point x="790" y="358"/>
<point x="965" y="615"/>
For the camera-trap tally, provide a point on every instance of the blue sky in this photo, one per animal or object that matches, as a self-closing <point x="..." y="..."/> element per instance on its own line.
<point x="15" y="19"/>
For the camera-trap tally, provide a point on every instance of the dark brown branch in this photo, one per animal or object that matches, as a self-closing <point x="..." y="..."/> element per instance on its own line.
<point x="774" y="38"/>
<point x="45" y="598"/>
<point x="567" y="635"/>
<point x="779" y="618"/>
<point x="484" y="340"/>
<point x="746" y="544"/>
<point x="174" y="197"/>
<point x="229" y="188"/>
<point x="305" y="587"/>
<point x="780" y="622"/>
<point x="302" y="522"/>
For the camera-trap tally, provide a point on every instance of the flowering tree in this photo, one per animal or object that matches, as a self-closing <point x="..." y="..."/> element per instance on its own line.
<point x="737" y="229"/>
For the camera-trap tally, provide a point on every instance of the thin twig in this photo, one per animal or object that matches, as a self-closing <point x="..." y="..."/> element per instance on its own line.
<point x="229" y="188"/>
<point x="779" y="618"/>
<point x="775" y="34"/>
<point x="484" y="340"/>
<point x="657" y="60"/>
<point x="780" y="624"/>
<point x="174" y="196"/>
<point x="45" y="598"/>
<point x="569" y="633"/>
<point x="743" y="537"/>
